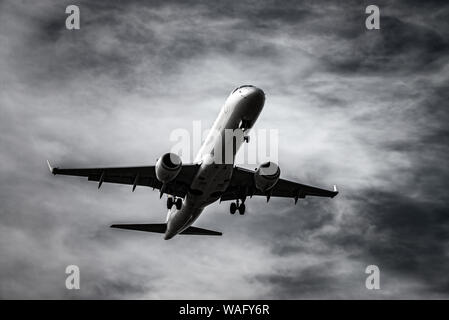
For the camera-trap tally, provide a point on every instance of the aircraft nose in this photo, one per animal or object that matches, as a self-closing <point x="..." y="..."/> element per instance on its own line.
<point x="254" y="94"/>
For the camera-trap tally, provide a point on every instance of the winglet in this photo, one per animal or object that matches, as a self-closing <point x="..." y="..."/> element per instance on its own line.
<point x="335" y="190"/>
<point x="52" y="170"/>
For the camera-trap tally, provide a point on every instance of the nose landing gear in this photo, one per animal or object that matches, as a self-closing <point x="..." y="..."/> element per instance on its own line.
<point x="236" y="206"/>
<point x="244" y="125"/>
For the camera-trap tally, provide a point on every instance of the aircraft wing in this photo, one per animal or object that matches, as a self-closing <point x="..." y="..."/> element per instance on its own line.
<point x="134" y="176"/>
<point x="242" y="185"/>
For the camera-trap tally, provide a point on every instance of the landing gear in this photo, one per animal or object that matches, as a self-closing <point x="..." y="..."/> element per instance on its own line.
<point x="242" y="209"/>
<point x="178" y="204"/>
<point x="174" y="201"/>
<point x="236" y="206"/>
<point x="233" y="208"/>
<point x="169" y="203"/>
<point x="244" y="125"/>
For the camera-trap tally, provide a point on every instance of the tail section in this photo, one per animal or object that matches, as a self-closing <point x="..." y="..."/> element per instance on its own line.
<point x="201" y="232"/>
<point x="155" y="227"/>
<point x="162" y="227"/>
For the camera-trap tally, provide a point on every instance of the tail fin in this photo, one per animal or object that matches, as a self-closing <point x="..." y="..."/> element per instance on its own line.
<point x="162" y="227"/>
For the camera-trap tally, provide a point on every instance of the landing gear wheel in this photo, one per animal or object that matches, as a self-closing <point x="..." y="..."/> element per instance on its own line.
<point x="242" y="209"/>
<point x="178" y="203"/>
<point x="233" y="208"/>
<point x="246" y="139"/>
<point x="169" y="203"/>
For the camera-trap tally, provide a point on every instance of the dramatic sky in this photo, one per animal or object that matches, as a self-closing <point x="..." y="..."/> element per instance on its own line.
<point x="366" y="110"/>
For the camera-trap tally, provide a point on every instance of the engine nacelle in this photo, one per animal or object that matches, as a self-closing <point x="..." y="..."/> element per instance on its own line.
<point x="266" y="176"/>
<point x="168" y="167"/>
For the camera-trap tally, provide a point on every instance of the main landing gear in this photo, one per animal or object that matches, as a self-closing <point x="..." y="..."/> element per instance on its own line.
<point x="236" y="206"/>
<point x="174" y="201"/>
<point x="244" y="125"/>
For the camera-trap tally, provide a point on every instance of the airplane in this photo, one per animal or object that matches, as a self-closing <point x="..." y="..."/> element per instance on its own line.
<point x="190" y="188"/>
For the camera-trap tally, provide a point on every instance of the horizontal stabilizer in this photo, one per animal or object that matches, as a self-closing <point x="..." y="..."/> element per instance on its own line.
<point x="50" y="167"/>
<point x="201" y="232"/>
<point x="162" y="227"/>
<point x="155" y="227"/>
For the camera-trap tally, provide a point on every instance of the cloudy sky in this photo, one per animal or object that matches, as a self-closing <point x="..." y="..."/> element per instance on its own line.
<point x="366" y="110"/>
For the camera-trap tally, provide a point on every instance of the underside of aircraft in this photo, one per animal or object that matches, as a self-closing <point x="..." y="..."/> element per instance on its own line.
<point x="191" y="187"/>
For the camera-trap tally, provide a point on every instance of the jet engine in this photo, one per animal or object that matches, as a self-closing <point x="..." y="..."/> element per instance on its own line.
<point x="168" y="167"/>
<point x="266" y="176"/>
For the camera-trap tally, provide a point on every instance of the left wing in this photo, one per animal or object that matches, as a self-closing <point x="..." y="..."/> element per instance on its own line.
<point x="242" y="185"/>
<point x="135" y="176"/>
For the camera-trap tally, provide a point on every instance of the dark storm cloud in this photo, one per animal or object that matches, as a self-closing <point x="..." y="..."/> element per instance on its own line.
<point x="364" y="109"/>
<point x="399" y="46"/>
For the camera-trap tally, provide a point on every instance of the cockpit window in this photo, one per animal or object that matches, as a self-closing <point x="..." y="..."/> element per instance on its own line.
<point x="244" y="86"/>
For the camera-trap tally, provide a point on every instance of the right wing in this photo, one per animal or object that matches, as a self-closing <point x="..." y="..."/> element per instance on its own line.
<point x="242" y="185"/>
<point x="135" y="176"/>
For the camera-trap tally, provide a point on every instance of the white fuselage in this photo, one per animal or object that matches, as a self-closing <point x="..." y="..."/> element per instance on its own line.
<point x="216" y="157"/>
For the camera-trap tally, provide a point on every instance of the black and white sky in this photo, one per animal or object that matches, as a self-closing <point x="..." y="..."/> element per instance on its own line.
<point x="366" y="110"/>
